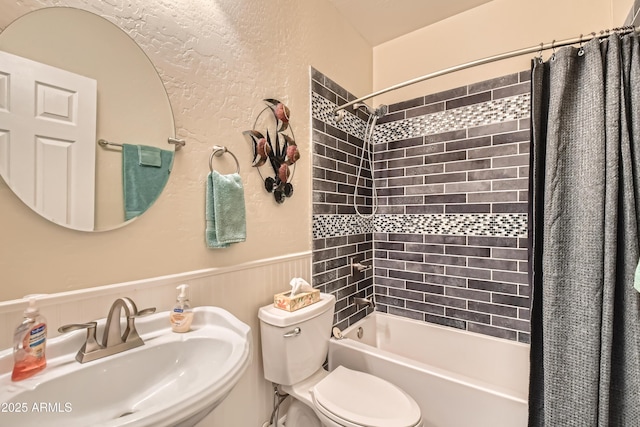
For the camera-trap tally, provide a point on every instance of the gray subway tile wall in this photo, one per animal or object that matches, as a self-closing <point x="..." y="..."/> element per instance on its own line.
<point x="448" y="242"/>
<point x="339" y="236"/>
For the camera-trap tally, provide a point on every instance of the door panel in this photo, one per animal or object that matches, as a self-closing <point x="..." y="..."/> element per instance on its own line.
<point x="48" y="139"/>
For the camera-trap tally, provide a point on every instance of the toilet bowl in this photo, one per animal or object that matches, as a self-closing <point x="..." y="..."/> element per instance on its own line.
<point x="300" y="414"/>
<point x="352" y="398"/>
<point x="294" y="347"/>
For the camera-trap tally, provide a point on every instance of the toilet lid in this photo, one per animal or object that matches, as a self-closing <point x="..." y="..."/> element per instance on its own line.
<point x="365" y="400"/>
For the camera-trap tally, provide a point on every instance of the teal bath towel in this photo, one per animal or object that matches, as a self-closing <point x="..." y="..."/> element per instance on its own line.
<point x="225" y="210"/>
<point x="145" y="171"/>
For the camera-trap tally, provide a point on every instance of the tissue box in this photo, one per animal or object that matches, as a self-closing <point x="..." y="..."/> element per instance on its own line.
<point x="284" y="302"/>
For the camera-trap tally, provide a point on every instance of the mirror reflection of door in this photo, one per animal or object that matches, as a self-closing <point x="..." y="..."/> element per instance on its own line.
<point x="132" y="104"/>
<point x="48" y="139"/>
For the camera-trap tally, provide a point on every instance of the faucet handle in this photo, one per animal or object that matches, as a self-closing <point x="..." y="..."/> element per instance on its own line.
<point x="90" y="344"/>
<point x="75" y="326"/>
<point x="131" y="333"/>
<point x="145" y="312"/>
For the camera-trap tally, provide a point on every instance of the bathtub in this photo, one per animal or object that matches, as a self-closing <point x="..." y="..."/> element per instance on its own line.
<point x="459" y="378"/>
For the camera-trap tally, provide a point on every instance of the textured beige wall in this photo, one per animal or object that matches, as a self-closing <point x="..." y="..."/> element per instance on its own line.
<point x="218" y="60"/>
<point x="620" y="10"/>
<point x="490" y="29"/>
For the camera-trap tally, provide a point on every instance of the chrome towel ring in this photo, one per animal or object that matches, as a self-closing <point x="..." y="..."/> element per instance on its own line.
<point x="219" y="151"/>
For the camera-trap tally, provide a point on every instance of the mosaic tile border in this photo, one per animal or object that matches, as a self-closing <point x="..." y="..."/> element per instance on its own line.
<point x="483" y="225"/>
<point x="340" y="225"/>
<point x="484" y="113"/>
<point x="322" y="109"/>
<point x="481" y="114"/>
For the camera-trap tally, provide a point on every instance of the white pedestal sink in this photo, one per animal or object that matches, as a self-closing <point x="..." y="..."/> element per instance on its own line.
<point x="174" y="379"/>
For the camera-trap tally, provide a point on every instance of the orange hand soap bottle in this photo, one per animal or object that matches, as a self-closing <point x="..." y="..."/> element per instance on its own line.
<point x="29" y="343"/>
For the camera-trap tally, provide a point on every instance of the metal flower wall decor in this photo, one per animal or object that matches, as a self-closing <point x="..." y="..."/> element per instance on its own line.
<point x="273" y="142"/>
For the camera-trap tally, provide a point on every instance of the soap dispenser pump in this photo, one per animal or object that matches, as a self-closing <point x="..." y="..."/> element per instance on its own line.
<point x="181" y="315"/>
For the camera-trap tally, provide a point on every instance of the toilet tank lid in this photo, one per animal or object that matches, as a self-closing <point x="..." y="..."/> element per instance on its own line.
<point x="278" y="317"/>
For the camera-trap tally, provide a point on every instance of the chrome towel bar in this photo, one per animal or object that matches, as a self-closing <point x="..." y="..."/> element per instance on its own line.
<point x="179" y="143"/>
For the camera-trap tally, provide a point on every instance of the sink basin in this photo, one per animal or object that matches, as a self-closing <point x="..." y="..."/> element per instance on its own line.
<point x="174" y="379"/>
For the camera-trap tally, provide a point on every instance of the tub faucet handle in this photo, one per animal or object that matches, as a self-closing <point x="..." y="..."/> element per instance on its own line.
<point x="357" y="266"/>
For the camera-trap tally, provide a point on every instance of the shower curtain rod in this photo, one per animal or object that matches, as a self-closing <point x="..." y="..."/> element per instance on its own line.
<point x="542" y="46"/>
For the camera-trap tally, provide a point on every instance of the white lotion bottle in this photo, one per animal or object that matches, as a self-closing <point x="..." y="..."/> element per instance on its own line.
<point x="181" y="315"/>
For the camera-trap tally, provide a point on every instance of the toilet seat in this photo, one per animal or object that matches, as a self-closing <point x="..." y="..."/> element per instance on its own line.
<point x="354" y="398"/>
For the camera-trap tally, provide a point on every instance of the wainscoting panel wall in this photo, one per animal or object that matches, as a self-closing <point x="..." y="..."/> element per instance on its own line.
<point x="241" y="289"/>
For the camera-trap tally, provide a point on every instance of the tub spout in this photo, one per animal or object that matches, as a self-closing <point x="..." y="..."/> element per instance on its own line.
<point x="364" y="301"/>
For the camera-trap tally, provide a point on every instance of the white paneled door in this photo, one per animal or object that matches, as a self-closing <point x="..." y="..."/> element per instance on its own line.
<point x="48" y="139"/>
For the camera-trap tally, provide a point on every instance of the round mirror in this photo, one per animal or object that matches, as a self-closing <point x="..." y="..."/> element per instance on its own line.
<point x="68" y="79"/>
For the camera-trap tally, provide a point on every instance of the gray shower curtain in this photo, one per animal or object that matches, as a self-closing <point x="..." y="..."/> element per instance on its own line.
<point x="584" y="195"/>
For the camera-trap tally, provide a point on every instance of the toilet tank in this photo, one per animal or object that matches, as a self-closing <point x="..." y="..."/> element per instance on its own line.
<point x="295" y="344"/>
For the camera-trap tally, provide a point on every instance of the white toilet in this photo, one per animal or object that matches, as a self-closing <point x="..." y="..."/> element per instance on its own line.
<point x="294" y="348"/>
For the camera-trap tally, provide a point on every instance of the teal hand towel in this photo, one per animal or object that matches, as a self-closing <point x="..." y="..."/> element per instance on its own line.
<point x="142" y="184"/>
<point x="636" y="279"/>
<point x="225" y="210"/>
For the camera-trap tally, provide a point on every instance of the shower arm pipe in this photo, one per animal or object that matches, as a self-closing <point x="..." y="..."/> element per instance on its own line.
<point x="533" y="49"/>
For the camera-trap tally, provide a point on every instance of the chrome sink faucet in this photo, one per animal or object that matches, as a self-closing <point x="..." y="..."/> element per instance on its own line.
<point x="113" y="339"/>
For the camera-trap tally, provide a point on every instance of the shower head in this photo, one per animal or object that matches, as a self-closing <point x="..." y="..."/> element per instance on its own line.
<point x="382" y="110"/>
<point x="358" y="105"/>
<point x="378" y="112"/>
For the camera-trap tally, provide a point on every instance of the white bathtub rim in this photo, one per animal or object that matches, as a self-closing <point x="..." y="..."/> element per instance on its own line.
<point x="437" y="372"/>
<point x="460" y="379"/>
<point x="448" y="329"/>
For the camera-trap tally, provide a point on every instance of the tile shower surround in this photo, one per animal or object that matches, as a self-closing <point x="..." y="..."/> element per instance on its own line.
<point x="345" y="236"/>
<point x="448" y="242"/>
